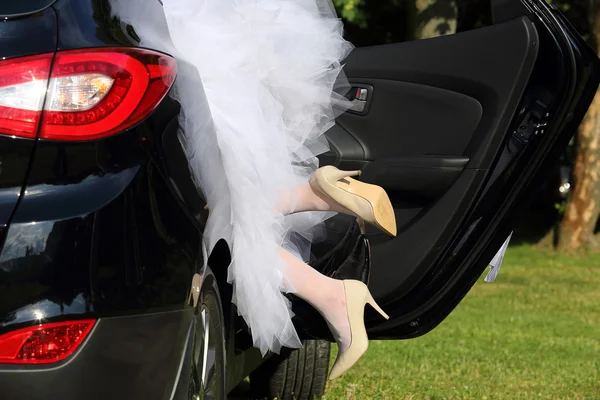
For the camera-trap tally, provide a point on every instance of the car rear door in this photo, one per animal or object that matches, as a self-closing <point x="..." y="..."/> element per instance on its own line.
<point x="460" y="130"/>
<point x="28" y="29"/>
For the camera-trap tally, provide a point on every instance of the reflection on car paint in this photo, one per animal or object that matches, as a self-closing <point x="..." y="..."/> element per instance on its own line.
<point x="24" y="240"/>
<point x="45" y="309"/>
<point x="81" y="198"/>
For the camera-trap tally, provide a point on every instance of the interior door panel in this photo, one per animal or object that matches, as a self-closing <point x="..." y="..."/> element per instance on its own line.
<point x="400" y="123"/>
<point x="461" y="131"/>
<point x="416" y="180"/>
<point x="486" y="68"/>
<point x="438" y="113"/>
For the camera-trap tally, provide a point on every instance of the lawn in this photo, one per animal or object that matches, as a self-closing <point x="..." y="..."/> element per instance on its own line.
<point x="533" y="334"/>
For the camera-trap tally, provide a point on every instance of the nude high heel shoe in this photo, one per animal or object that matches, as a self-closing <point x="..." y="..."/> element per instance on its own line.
<point x="357" y="296"/>
<point x="369" y="202"/>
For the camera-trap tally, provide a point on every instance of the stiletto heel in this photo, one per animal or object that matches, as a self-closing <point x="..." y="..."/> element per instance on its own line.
<point x="357" y="296"/>
<point x="369" y="202"/>
<point x="376" y="307"/>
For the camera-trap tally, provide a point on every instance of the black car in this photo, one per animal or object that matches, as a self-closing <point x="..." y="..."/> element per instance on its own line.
<point x="105" y="289"/>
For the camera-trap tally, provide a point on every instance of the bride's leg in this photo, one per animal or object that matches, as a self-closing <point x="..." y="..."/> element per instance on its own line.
<point x="325" y="294"/>
<point x="304" y="198"/>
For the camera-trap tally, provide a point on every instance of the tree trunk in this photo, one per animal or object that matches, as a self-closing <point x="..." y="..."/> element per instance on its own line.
<point x="435" y="18"/>
<point x="583" y="208"/>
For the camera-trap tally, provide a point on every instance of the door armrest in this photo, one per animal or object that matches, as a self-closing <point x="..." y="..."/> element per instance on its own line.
<point x="426" y="177"/>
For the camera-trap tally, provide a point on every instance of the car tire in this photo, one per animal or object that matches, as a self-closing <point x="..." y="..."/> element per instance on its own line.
<point x="298" y="374"/>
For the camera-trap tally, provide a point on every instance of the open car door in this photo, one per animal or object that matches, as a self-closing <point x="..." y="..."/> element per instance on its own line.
<point x="461" y="131"/>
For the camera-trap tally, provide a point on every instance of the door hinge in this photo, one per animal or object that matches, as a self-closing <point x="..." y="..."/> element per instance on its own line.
<point x="535" y="118"/>
<point x="533" y="124"/>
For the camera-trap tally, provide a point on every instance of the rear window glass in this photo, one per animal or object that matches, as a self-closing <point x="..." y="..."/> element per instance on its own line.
<point x="18" y="7"/>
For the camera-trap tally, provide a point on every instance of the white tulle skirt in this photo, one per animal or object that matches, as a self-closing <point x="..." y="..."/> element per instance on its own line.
<point x="252" y="128"/>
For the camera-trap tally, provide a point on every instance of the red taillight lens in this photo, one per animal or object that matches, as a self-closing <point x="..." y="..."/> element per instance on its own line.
<point x="91" y="93"/>
<point x="43" y="344"/>
<point x="135" y="82"/>
<point x="23" y="85"/>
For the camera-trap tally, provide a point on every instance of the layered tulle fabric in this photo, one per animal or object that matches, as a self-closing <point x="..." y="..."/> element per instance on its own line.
<point x="258" y="86"/>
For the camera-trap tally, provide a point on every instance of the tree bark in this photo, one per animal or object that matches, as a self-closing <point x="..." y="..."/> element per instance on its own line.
<point x="583" y="208"/>
<point x="581" y="215"/>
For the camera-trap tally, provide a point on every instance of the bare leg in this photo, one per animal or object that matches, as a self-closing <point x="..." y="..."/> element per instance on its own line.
<point x="304" y="198"/>
<point x="325" y="294"/>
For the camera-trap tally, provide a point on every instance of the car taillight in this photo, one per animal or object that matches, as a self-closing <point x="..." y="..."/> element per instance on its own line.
<point x="23" y="85"/>
<point x="82" y="94"/>
<point x="43" y="344"/>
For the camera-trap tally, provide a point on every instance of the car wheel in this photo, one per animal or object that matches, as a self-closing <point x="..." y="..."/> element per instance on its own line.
<point x="208" y="369"/>
<point x="299" y="374"/>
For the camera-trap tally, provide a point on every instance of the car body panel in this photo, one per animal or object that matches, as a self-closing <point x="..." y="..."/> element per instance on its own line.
<point x="130" y="357"/>
<point x="108" y="229"/>
<point x="23" y="8"/>
<point x="15" y="153"/>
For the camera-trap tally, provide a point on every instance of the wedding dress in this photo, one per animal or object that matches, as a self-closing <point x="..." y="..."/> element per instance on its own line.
<point x="259" y="83"/>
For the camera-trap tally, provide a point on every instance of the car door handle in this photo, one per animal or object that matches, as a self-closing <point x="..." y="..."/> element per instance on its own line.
<point x="360" y="98"/>
<point x="358" y="106"/>
<point x="361" y="94"/>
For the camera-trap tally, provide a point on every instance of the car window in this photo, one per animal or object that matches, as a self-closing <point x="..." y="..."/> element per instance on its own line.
<point x="374" y="22"/>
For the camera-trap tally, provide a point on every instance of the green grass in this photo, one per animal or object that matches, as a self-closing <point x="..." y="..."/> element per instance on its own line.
<point x="533" y="334"/>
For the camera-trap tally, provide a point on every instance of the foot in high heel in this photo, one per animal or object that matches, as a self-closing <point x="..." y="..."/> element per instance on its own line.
<point x="369" y="202"/>
<point x="357" y="296"/>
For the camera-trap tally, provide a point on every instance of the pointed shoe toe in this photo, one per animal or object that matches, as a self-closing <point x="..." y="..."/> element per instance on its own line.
<point x="357" y="296"/>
